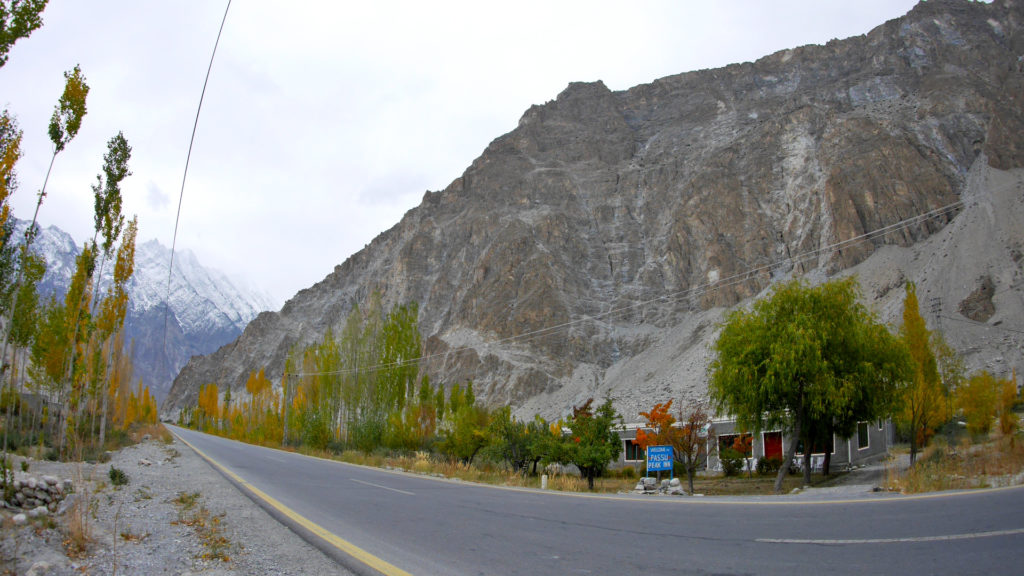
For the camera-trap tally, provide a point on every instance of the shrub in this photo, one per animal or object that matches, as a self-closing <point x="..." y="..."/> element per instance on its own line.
<point x="768" y="466"/>
<point x="117" y="476"/>
<point x="732" y="461"/>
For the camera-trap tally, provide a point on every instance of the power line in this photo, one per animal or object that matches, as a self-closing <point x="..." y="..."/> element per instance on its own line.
<point x="184" y="176"/>
<point x="670" y="298"/>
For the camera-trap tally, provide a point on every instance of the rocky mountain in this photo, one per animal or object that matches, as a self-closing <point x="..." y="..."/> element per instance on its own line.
<point x="592" y="250"/>
<point x="207" y="309"/>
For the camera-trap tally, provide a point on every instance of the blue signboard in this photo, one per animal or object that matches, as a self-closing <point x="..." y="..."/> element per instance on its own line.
<point x="659" y="458"/>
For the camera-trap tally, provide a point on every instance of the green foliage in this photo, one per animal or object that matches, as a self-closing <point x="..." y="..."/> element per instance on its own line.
<point x="465" y="433"/>
<point x="316" y="430"/>
<point x="70" y="110"/>
<point x="108" y="219"/>
<point x="732" y="461"/>
<point x="18" y="19"/>
<point x="509" y="440"/>
<point x="592" y="442"/>
<point x="809" y="360"/>
<point x="767" y="466"/>
<point x="117" y="476"/>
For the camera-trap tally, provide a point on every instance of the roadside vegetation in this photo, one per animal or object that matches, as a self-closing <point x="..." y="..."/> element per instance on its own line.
<point x="809" y="359"/>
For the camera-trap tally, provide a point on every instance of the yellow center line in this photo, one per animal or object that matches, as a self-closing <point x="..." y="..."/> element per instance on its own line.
<point x="345" y="546"/>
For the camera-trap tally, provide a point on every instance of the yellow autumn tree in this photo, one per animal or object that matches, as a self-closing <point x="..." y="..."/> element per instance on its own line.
<point x="924" y="403"/>
<point x="978" y="401"/>
<point x="209" y="406"/>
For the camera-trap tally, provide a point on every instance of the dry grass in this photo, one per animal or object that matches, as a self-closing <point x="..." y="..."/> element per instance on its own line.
<point x="207" y="526"/>
<point x="78" y="526"/>
<point x="961" y="466"/>
<point x="157" y="431"/>
<point x="615" y="482"/>
<point x="77" y="530"/>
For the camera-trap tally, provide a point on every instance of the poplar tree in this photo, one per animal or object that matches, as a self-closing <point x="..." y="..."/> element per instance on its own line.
<point x="924" y="404"/>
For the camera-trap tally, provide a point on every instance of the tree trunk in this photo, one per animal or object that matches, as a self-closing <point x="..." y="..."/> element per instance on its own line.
<point x="825" y="464"/>
<point x="807" y="464"/>
<point x="689" y="478"/>
<point x="787" y="458"/>
<point x="913" y="445"/>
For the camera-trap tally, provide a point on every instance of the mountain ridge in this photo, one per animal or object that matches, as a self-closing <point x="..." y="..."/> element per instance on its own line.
<point x="207" y="308"/>
<point x="600" y="200"/>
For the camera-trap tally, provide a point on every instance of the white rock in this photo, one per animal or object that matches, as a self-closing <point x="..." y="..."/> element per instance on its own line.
<point x="39" y="568"/>
<point x="66" y="504"/>
<point x="19" y="519"/>
<point x="51" y="480"/>
<point x="145" y="462"/>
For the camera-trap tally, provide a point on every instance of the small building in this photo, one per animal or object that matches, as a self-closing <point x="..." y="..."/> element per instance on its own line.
<point x="869" y="444"/>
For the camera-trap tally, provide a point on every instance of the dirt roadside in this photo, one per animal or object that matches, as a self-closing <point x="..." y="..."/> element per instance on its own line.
<point x="177" y="515"/>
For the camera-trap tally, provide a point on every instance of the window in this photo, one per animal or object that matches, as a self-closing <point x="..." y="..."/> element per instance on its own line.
<point x="742" y="443"/>
<point x="634" y="452"/>
<point x="863" y="440"/>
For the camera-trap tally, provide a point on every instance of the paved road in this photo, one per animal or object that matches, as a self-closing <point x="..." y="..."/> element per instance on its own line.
<point x="427" y="526"/>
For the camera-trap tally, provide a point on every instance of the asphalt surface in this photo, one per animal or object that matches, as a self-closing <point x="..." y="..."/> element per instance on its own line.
<point x="427" y="526"/>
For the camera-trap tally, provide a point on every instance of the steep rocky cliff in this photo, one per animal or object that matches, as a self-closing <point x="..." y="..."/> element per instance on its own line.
<point x="591" y="250"/>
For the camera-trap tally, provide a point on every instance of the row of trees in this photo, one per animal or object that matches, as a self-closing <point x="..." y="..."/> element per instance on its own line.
<point x="328" y="402"/>
<point x="66" y="377"/>
<point x="809" y="360"/>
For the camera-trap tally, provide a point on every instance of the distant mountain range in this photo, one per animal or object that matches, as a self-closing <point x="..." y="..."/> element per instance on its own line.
<point x="207" y="309"/>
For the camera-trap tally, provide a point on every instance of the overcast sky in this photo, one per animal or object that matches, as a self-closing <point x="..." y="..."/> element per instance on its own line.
<point x="325" y="121"/>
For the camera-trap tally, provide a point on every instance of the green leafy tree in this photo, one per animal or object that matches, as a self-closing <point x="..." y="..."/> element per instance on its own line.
<point x="592" y="443"/>
<point x="400" y="345"/>
<point x="18" y="19"/>
<point x="509" y="440"/>
<point x="924" y="403"/>
<point x="805" y="359"/>
<point x="542" y="441"/>
<point x="465" y="432"/>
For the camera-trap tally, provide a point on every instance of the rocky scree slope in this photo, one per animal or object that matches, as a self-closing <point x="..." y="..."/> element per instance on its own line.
<point x="591" y="250"/>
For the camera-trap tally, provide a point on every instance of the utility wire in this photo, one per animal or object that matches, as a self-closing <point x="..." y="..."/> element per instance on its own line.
<point x="184" y="176"/>
<point x="670" y="298"/>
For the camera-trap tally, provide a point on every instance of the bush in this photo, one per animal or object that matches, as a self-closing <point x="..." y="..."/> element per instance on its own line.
<point x="732" y="461"/>
<point x="768" y="466"/>
<point x="117" y="476"/>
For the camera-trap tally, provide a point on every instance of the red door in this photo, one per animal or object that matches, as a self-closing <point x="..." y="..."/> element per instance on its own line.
<point x="773" y="445"/>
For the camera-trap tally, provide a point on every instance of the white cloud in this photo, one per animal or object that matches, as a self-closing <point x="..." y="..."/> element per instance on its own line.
<point x="324" y="122"/>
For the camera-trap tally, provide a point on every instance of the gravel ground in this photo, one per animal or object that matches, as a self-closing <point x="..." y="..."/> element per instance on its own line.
<point x="142" y="528"/>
